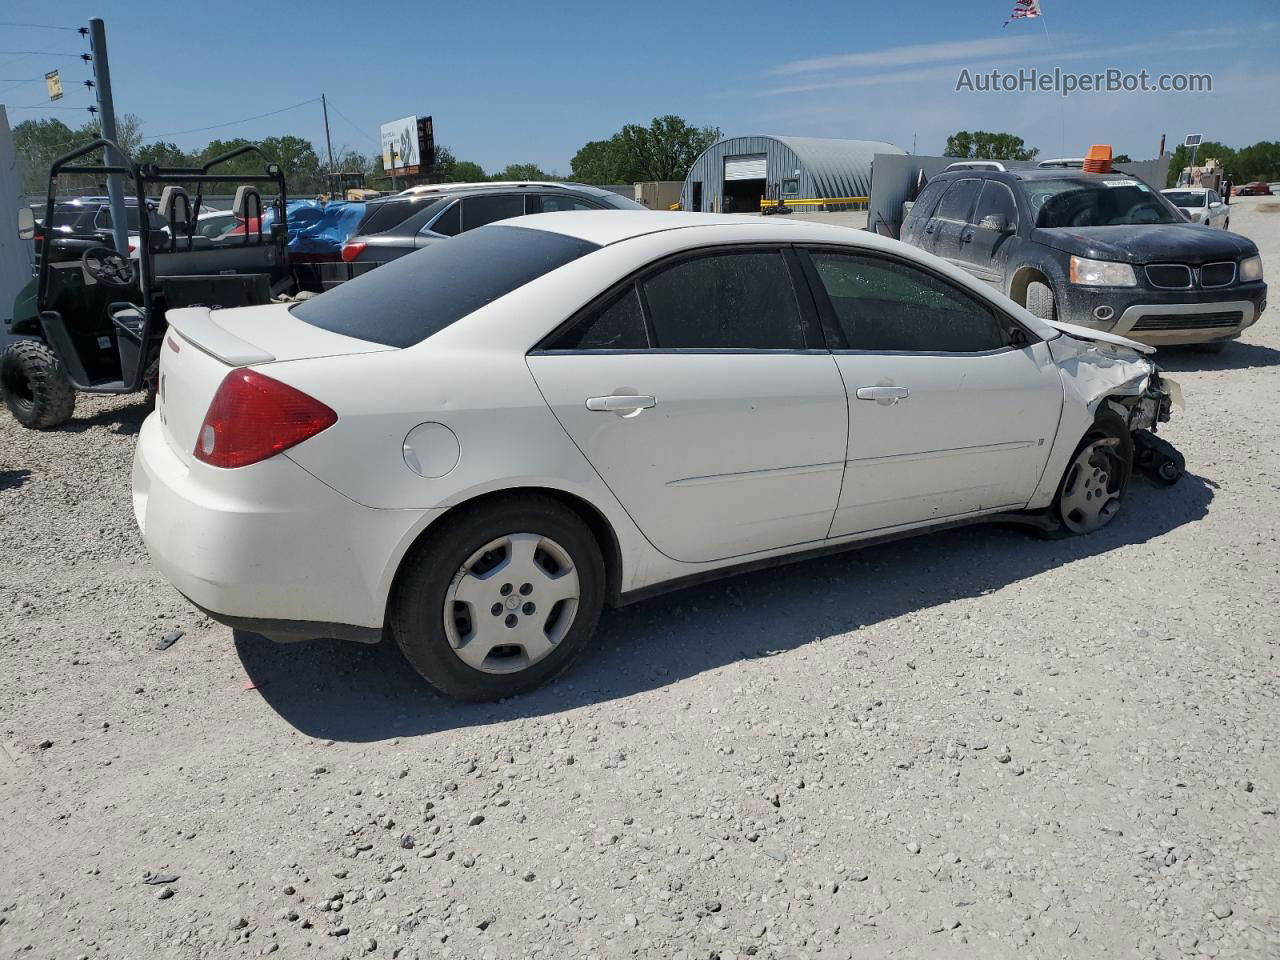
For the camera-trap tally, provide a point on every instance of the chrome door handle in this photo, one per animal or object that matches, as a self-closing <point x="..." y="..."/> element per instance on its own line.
<point x="884" y="395"/>
<point x="625" y="406"/>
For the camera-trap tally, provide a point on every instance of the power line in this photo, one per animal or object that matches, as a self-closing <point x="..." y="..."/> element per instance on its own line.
<point x="37" y="53"/>
<point x="359" y="130"/>
<point x="45" y="106"/>
<point x="39" y="26"/>
<point x="232" y="123"/>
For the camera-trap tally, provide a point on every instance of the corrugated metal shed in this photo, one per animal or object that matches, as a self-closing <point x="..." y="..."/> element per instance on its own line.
<point x="824" y="168"/>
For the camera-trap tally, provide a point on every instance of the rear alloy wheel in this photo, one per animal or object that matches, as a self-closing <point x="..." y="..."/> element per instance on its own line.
<point x="36" y="389"/>
<point x="499" y="600"/>
<point x="1040" y="300"/>
<point x="1092" y="488"/>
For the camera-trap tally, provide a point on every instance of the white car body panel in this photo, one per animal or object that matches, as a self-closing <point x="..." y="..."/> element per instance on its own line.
<point x="741" y="452"/>
<point x="973" y="434"/>
<point x="742" y="458"/>
<point x="1209" y="214"/>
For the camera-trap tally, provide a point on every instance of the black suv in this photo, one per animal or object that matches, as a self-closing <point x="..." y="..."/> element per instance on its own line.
<point x="424" y="215"/>
<point x="1102" y="250"/>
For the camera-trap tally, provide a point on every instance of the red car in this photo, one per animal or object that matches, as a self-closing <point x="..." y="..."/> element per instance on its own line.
<point x="1255" y="189"/>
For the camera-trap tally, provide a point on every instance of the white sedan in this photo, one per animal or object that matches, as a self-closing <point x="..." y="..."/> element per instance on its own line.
<point x="474" y="448"/>
<point x="1200" y="205"/>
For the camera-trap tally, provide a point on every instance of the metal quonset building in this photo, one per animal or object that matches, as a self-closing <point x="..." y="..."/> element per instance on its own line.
<point x="732" y="176"/>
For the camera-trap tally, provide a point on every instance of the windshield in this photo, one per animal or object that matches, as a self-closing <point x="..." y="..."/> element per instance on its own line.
<point x="1115" y="201"/>
<point x="1185" y="198"/>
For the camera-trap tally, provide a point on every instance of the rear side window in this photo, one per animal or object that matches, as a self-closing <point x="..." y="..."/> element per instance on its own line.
<point x="739" y="300"/>
<point x="889" y="306"/>
<point x="617" y="326"/>
<point x="928" y="199"/>
<point x="958" y="201"/>
<point x="477" y="211"/>
<point x="415" y="296"/>
<point x="381" y="217"/>
<point x="449" y="223"/>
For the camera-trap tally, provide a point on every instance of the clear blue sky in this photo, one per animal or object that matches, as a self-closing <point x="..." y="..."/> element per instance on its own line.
<point x="532" y="83"/>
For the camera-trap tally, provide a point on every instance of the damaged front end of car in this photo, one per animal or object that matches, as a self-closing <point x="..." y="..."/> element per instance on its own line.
<point x="1118" y="374"/>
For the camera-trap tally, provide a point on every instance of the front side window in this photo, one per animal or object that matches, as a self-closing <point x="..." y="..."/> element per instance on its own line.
<point x="928" y="199"/>
<point x="734" y="300"/>
<point x="959" y="200"/>
<point x="477" y="211"/>
<point x="996" y="201"/>
<point x="886" y="305"/>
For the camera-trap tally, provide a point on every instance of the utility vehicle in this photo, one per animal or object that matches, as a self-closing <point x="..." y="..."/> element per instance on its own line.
<point x="95" y="323"/>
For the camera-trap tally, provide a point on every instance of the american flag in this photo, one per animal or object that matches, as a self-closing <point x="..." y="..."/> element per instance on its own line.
<point x="1024" y="10"/>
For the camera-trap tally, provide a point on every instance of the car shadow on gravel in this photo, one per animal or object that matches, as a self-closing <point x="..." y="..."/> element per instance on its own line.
<point x="350" y="692"/>
<point x="13" y="479"/>
<point x="126" y="421"/>
<point x="1235" y="356"/>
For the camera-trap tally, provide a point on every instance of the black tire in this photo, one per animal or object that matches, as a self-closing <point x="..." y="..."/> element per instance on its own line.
<point x="35" y="387"/>
<point x="1107" y="426"/>
<point x="416" y="610"/>
<point x="1040" y="300"/>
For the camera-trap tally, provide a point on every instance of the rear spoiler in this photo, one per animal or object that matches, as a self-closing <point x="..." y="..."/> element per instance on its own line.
<point x="197" y="326"/>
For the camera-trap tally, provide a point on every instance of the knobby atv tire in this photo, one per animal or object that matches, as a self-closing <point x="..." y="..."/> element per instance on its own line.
<point x="35" y="387"/>
<point x="416" y="609"/>
<point x="1040" y="300"/>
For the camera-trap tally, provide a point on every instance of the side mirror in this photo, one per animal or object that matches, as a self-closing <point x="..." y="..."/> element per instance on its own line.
<point x="26" y="223"/>
<point x="996" y="222"/>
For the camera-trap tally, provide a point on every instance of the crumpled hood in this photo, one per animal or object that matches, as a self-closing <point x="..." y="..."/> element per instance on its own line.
<point x="1148" y="243"/>
<point x="1099" y="336"/>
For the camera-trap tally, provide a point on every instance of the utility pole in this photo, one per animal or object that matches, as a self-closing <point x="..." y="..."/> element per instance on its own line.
<point x="107" y="118"/>
<point x="329" y="143"/>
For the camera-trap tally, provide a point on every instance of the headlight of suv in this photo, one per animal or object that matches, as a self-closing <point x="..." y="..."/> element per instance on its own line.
<point x="1101" y="273"/>
<point x="1250" y="269"/>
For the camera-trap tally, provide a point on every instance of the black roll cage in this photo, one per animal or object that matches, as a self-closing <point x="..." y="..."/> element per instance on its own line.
<point x="142" y="175"/>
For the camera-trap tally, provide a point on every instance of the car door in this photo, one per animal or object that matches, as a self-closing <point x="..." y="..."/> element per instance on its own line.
<point x="952" y="219"/>
<point x="702" y="395"/>
<point x="952" y="405"/>
<point x="918" y="226"/>
<point x="1216" y="211"/>
<point x="985" y="243"/>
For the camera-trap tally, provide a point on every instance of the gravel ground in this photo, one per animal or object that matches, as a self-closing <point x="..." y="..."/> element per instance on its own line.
<point x="969" y="744"/>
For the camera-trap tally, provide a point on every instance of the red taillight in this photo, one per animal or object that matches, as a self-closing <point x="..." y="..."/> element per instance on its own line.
<point x="253" y="417"/>
<point x="352" y="250"/>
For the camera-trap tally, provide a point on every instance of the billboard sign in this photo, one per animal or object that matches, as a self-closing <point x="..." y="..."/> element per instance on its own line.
<point x="400" y="144"/>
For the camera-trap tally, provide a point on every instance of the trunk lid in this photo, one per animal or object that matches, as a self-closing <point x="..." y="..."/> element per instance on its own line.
<point x="202" y="346"/>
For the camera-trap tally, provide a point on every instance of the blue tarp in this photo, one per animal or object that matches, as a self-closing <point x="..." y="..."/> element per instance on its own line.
<point x="316" y="227"/>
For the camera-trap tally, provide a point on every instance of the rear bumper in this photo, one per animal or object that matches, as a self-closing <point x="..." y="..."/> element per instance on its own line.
<point x="268" y="547"/>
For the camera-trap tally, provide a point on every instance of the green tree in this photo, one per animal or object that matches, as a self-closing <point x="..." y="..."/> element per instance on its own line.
<point x="468" y="171"/>
<point x="600" y="161"/>
<point x="1122" y="158"/>
<point x="164" y="154"/>
<point x="664" y="150"/>
<point x="522" y="171"/>
<point x="1260" y="161"/>
<point x="38" y="143"/>
<point x="982" y="145"/>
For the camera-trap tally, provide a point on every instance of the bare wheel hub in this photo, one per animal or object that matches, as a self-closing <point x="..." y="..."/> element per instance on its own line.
<point x="1090" y="496"/>
<point x="511" y="603"/>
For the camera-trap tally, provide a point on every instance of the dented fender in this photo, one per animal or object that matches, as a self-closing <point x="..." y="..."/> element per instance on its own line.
<point x="1107" y="372"/>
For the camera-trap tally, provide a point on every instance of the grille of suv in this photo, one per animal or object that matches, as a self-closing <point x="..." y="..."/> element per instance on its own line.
<point x="1218" y="274"/>
<point x="1188" y="321"/>
<point x="1173" y="276"/>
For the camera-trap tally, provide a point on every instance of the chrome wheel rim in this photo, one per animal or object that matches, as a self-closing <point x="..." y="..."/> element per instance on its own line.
<point x="512" y="603"/>
<point x="1090" y="495"/>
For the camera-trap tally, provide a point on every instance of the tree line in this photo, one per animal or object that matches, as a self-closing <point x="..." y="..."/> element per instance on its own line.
<point x="1258" y="161"/>
<point x="663" y="150"/>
